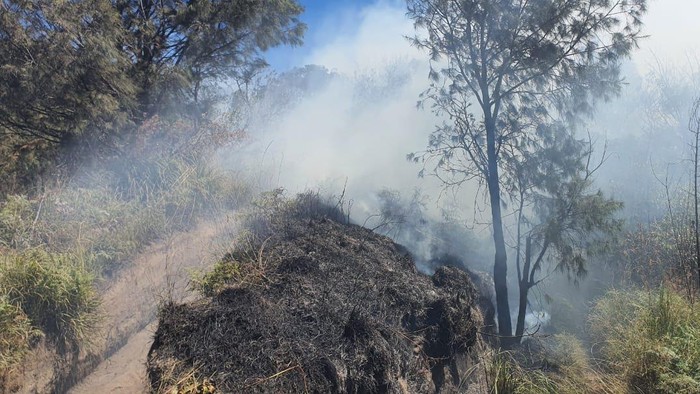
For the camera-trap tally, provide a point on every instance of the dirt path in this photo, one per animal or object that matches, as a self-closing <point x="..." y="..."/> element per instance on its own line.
<point x="123" y="372"/>
<point x="159" y="273"/>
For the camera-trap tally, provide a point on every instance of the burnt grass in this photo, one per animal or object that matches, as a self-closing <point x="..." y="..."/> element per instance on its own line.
<point x="338" y="309"/>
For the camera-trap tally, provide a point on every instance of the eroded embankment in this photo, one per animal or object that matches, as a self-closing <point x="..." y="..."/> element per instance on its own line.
<point x="320" y="306"/>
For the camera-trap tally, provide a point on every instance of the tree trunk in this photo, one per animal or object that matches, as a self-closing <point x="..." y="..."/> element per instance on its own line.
<point x="525" y="286"/>
<point x="697" y="214"/>
<point x="500" y="266"/>
<point x="522" y="312"/>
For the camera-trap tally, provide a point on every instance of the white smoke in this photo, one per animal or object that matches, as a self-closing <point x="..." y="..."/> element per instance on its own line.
<point x="355" y="131"/>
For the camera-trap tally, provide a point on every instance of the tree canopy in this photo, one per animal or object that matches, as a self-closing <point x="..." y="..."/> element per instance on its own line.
<point x="178" y="46"/>
<point x="72" y="66"/>
<point x="61" y="70"/>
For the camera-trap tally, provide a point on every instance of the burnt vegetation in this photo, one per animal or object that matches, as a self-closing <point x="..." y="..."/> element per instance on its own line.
<point x="320" y="305"/>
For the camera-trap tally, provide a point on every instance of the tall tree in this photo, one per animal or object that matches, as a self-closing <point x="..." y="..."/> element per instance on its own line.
<point x="500" y="70"/>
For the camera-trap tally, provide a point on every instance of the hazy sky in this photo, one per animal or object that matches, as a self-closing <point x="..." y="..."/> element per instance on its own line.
<point x="674" y="33"/>
<point x="337" y="40"/>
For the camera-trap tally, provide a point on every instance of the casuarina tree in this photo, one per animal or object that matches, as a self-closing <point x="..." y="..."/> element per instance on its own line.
<point x="78" y="76"/>
<point x="504" y="71"/>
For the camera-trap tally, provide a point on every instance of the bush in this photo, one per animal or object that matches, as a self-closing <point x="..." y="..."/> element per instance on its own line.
<point x="55" y="293"/>
<point x="650" y="340"/>
<point x="661" y="252"/>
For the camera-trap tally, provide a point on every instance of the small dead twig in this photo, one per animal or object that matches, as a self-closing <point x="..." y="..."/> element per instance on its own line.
<point x="36" y="218"/>
<point x="276" y="375"/>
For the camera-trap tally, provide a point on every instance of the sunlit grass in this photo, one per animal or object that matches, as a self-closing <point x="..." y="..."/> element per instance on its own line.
<point x="651" y="340"/>
<point x="54" y="291"/>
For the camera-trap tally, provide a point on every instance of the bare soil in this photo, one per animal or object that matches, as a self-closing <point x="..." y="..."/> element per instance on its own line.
<point x="123" y="371"/>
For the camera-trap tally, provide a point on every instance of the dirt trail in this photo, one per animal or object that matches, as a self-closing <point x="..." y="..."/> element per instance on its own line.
<point x="131" y="301"/>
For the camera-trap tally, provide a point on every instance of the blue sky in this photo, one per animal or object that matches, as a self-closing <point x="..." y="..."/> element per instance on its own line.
<point x="320" y="16"/>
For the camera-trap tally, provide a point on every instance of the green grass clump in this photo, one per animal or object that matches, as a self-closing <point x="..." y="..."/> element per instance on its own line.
<point x="650" y="340"/>
<point x="224" y="273"/>
<point x="506" y="376"/>
<point x="16" y="334"/>
<point x="560" y="365"/>
<point x="16" y="219"/>
<point x="55" y="292"/>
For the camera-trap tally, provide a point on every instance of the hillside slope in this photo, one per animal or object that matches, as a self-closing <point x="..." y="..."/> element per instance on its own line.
<point x="321" y="306"/>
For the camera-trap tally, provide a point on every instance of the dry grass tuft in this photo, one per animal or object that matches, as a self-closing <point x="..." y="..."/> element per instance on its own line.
<point x="55" y="293"/>
<point x="649" y="340"/>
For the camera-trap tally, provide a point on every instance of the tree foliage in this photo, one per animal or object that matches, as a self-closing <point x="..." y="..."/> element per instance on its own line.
<point x="561" y="219"/>
<point x="88" y="72"/>
<point x="61" y="72"/>
<point x="178" y="46"/>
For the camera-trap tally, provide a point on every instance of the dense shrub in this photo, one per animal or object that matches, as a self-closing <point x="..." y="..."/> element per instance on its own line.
<point x="661" y="252"/>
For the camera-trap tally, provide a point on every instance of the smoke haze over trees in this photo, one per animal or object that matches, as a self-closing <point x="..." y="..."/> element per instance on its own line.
<point x="530" y="69"/>
<point x="81" y="73"/>
<point x="543" y="136"/>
